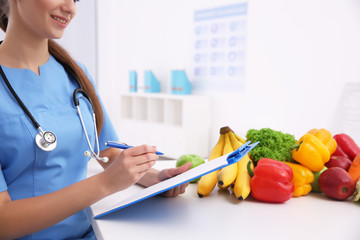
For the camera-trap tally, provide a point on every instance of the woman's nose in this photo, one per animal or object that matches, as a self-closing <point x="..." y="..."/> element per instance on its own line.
<point x="69" y="7"/>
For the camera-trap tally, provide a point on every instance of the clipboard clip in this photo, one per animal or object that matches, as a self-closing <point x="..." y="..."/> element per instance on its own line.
<point x="240" y="152"/>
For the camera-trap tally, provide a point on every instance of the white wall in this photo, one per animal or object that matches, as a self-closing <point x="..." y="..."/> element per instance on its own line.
<point x="299" y="56"/>
<point x="80" y="37"/>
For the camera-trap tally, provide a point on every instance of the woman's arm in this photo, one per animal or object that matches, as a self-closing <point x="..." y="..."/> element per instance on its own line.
<point x="26" y="216"/>
<point x="22" y="217"/>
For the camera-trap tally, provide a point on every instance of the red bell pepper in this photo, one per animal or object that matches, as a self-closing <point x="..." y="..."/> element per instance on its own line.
<point x="346" y="146"/>
<point x="271" y="181"/>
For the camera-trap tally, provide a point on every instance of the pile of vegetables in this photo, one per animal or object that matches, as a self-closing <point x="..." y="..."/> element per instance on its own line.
<point x="309" y="161"/>
<point x="281" y="167"/>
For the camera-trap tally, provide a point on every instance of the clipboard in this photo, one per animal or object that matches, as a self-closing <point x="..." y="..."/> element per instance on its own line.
<point x="185" y="177"/>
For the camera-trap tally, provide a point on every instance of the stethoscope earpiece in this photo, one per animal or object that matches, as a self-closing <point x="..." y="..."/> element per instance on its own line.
<point x="87" y="153"/>
<point x="103" y="159"/>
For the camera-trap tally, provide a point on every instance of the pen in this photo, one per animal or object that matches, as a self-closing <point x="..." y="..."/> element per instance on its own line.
<point x="123" y="146"/>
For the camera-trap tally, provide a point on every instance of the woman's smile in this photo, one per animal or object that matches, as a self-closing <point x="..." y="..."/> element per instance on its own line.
<point x="61" y="20"/>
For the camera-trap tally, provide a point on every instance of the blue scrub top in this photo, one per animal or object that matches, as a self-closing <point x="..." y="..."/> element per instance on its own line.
<point x="26" y="170"/>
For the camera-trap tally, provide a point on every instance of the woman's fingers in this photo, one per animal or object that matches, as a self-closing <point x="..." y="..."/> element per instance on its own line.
<point x="140" y="150"/>
<point x="144" y="167"/>
<point x="171" y="172"/>
<point x="176" y="190"/>
<point x="183" y="187"/>
<point x="179" y="189"/>
<point x="169" y="193"/>
<point x="183" y="168"/>
<point x="139" y="158"/>
<point x="145" y="158"/>
<point x="140" y="155"/>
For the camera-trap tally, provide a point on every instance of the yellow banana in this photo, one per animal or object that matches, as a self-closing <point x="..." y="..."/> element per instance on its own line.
<point x="227" y="144"/>
<point x="207" y="182"/>
<point x="232" y="186"/>
<point x="240" y="139"/>
<point x="241" y="187"/>
<point x="221" y="187"/>
<point x="235" y="143"/>
<point x="227" y="175"/>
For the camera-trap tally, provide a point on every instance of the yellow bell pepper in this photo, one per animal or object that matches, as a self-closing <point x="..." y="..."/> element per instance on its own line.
<point x="311" y="152"/>
<point x="326" y="138"/>
<point x="302" y="179"/>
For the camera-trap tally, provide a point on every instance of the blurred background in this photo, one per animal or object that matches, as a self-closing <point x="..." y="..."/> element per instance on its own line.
<point x="287" y="65"/>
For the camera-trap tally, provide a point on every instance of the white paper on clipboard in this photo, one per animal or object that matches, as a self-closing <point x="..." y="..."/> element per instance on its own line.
<point x="185" y="177"/>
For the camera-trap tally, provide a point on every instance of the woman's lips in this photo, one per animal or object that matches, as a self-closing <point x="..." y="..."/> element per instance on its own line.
<point x="61" y="20"/>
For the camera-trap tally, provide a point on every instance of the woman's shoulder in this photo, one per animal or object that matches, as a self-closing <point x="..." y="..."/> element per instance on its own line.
<point x="82" y="66"/>
<point x="85" y="69"/>
<point x="79" y="63"/>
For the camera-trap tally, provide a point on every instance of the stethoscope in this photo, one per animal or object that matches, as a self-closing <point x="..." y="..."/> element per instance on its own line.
<point x="46" y="140"/>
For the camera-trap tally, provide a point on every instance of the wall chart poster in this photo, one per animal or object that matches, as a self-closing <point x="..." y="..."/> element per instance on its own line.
<point x="218" y="59"/>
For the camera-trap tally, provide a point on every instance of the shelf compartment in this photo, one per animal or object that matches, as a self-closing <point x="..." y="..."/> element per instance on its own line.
<point x="126" y="107"/>
<point x="140" y="108"/>
<point x="156" y="110"/>
<point x="174" y="112"/>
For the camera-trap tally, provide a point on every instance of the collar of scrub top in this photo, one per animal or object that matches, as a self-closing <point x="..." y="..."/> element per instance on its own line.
<point x="46" y="140"/>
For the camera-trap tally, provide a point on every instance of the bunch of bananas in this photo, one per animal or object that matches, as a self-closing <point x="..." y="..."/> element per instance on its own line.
<point x="234" y="176"/>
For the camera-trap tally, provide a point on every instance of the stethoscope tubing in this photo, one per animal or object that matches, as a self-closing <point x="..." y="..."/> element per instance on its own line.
<point x="21" y="103"/>
<point x="77" y="105"/>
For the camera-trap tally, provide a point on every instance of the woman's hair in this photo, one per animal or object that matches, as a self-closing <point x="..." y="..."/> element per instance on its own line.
<point x="4" y="11"/>
<point x="62" y="56"/>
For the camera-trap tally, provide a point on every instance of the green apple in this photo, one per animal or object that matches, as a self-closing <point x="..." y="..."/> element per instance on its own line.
<point x="315" y="184"/>
<point x="195" y="160"/>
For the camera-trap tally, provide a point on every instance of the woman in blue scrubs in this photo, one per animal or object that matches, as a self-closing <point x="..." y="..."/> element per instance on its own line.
<point x="43" y="194"/>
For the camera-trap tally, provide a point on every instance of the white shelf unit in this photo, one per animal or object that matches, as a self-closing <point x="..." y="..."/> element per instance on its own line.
<point x="176" y="124"/>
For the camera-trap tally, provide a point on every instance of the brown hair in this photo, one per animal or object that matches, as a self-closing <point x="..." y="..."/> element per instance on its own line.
<point x="4" y="10"/>
<point x="62" y="56"/>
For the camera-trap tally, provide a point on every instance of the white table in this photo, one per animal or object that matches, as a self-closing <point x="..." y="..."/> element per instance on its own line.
<point x="221" y="215"/>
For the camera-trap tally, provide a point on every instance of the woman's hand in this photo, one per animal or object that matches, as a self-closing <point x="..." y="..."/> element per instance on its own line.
<point x="129" y="166"/>
<point x="171" y="172"/>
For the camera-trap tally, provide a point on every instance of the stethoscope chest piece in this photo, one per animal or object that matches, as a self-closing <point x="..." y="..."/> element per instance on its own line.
<point x="46" y="140"/>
